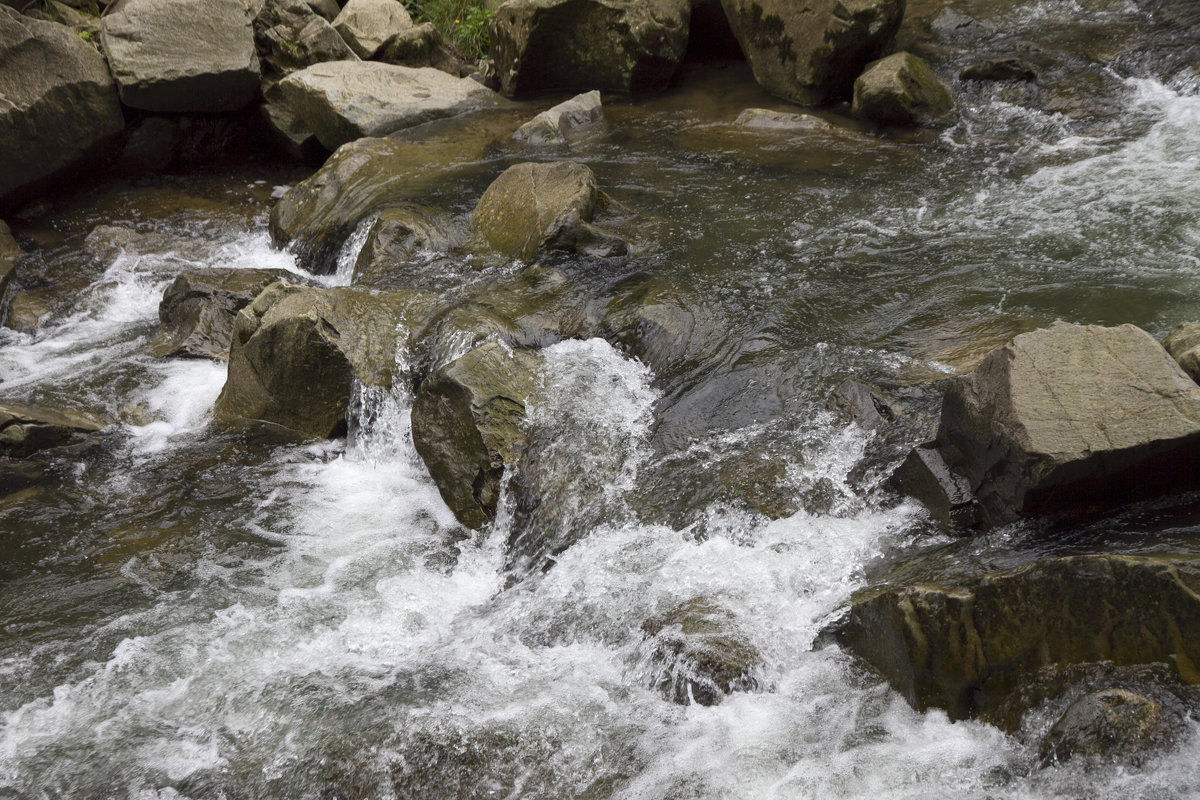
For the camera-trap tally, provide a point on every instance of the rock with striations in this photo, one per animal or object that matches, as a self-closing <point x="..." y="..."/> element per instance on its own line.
<point x="626" y="46"/>
<point x="59" y="102"/>
<point x="27" y="429"/>
<point x="341" y="101"/>
<point x="553" y="125"/>
<point x="901" y="90"/>
<point x="182" y="55"/>
<point x="296" y="352"/>
<point x="973" y="646"/>
<point x="198" y="310"/>
<point x="533" y="208"/>
<point x="1071" y="417"/>
<point x="468" y="424"/>
<point x="367" y="25"/>
<point x="810" y="53"/>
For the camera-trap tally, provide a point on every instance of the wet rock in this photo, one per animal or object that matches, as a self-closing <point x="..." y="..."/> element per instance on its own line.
<point x="924" y="476"/>
<point x="60" y="103"/>
<point x="552" y="126"/>
<point x="901" y="90"/>
<point x="971" y="646"/>
<point x="396" y="239"/>
<point x="1113" y="725"/>
<point x="28" y="429"/>
<point x="291" y="36"/>
<point x="27" y="309"/>
<point x="662" y="325"/>
<point x="696" y="654"/>
<point x="810" y="53"/>
<point x="296" y="351"/>
<point x="10" y="254"/>
<point x="106" y="243"/>
<point x="537" y="207"/>
<point x="999" y="69"/>
<point x="765" y="119"/>
<point x="182" y="55"/>
<point x="197" y="312"/>
<point x="1068" y="418"/>
<point x="327" y="98"/>
<point x="367" y="24"/>
<point x="609" y="45"/>
<point x="1183" y="343"/>
<point x="863" y="405"/>
<point x="317" y="215"/>
<point x="468" y="424"/>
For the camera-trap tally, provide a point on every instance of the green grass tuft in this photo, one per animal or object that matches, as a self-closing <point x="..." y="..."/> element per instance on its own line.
<point x="462" y="23"/>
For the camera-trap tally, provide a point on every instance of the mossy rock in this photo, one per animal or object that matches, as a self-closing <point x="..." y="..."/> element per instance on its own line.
<point x="901" y="90"/>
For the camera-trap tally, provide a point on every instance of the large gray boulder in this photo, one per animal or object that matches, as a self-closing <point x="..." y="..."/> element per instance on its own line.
<point x="1071" y="416"/>
<point x="59" y="101"/>
<point x="367" y="25"/>
<point x="810" y="53"/>
<point x="469" y="426"/>
<point x="182" y="55"/>
<point x="901" y="90"/>
<point x="198" y="310"/>
<point x="975" y="646"/>
<point x="341" y="101"/>
<point x="626" y="46"/>
<point x="296" y="352"/>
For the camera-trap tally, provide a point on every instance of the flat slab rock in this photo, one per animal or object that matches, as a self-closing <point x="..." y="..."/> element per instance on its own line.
<point x="341" y="101"/>
<point x="25" y="429"/>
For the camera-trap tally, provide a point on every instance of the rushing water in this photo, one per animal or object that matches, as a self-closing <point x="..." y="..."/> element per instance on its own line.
<point x="194" y="613"/>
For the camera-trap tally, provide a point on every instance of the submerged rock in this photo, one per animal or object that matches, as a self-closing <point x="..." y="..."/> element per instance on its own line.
<point x="697" y="655"/>
<point x="329" y="98"/>
<point x="901" y="90"/>
<point x="970" y="647"/>
<point x="810" y="53"/>
<point x="367" y="25"/>
<point x="536" y="207"/>
<point x="999" y="69"/>
<point x="198" y="310"/>
<point x="1071" y="417"/>
<point x="765" y="119"/>
<point x="27" y="429"/>
<point x="1112" y="724"/>
<point x="297" y="350"/>
<point x="60" y="103"/>
<point x="468" y="424"/>
<point x="551" y="126"/>
<point x="182" y="55"/>
<point x="611" y="45"/>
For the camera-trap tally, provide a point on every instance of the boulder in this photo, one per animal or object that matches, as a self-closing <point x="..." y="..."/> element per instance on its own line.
<point x="182" y="55"/>
<point x="810" y="53"/>
<point x="27" y="429"/>
<point x="973" y="645"/>
<point x="396" y="239"/>
<point x="367" y="25"/>
<point x="551" y="126"/>
<point x="901" y="90"/>
<point x="1071" y="417"/>
<point x="197" y="312"/>
<point x="1111" y="724"/>
<point x="1183" y="343"/>
<point x="291" y="36"/>
<point x="999" y="69"/>
<point x="468" y="424"/>
<point x="764" y="119"/>
<point x="626" y="46"/>
<point x="292" y="136"/>
<point x="296" y="352"/>
<point x="532" y="208"/>
<point x="317" y="215"/>
<point x="421" y="46"/>
<point x="694" y="653"/>
<point x="60" y="103"/>
<point x="341" y="101"/>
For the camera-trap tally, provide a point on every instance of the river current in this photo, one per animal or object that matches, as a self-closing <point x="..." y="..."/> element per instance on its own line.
<point x="186" y="612"/>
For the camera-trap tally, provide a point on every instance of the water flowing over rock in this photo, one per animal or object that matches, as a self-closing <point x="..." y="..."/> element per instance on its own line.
<point x="367" y="25"/>
<point x="626" y="46"/>
<point x="551" y="126"/>
<point x="198" y="310"/>
<point x="1071" y="417"/>
<point x="811" y="53"/>
<point x="182" y="55"/>
<point x="1111" y="724"/>
<point x="536" y="207"/>
<point x="341" y="101"/>
<point x="27" y="429"/>
<point x="969" y="647"/>
<point x="396" y="239"/>
<point x="901" y="90"/>
<point x="60" y="103"/>
<point x="468" y="424"/>
<point x="297" y="350"/>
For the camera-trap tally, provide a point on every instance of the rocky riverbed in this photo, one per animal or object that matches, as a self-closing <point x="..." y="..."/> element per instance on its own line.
<point x="685" y="402"/>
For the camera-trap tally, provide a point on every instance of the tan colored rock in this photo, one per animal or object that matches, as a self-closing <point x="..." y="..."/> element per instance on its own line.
<point x="1183" y="343"/>
<point x="367" y="24"/>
